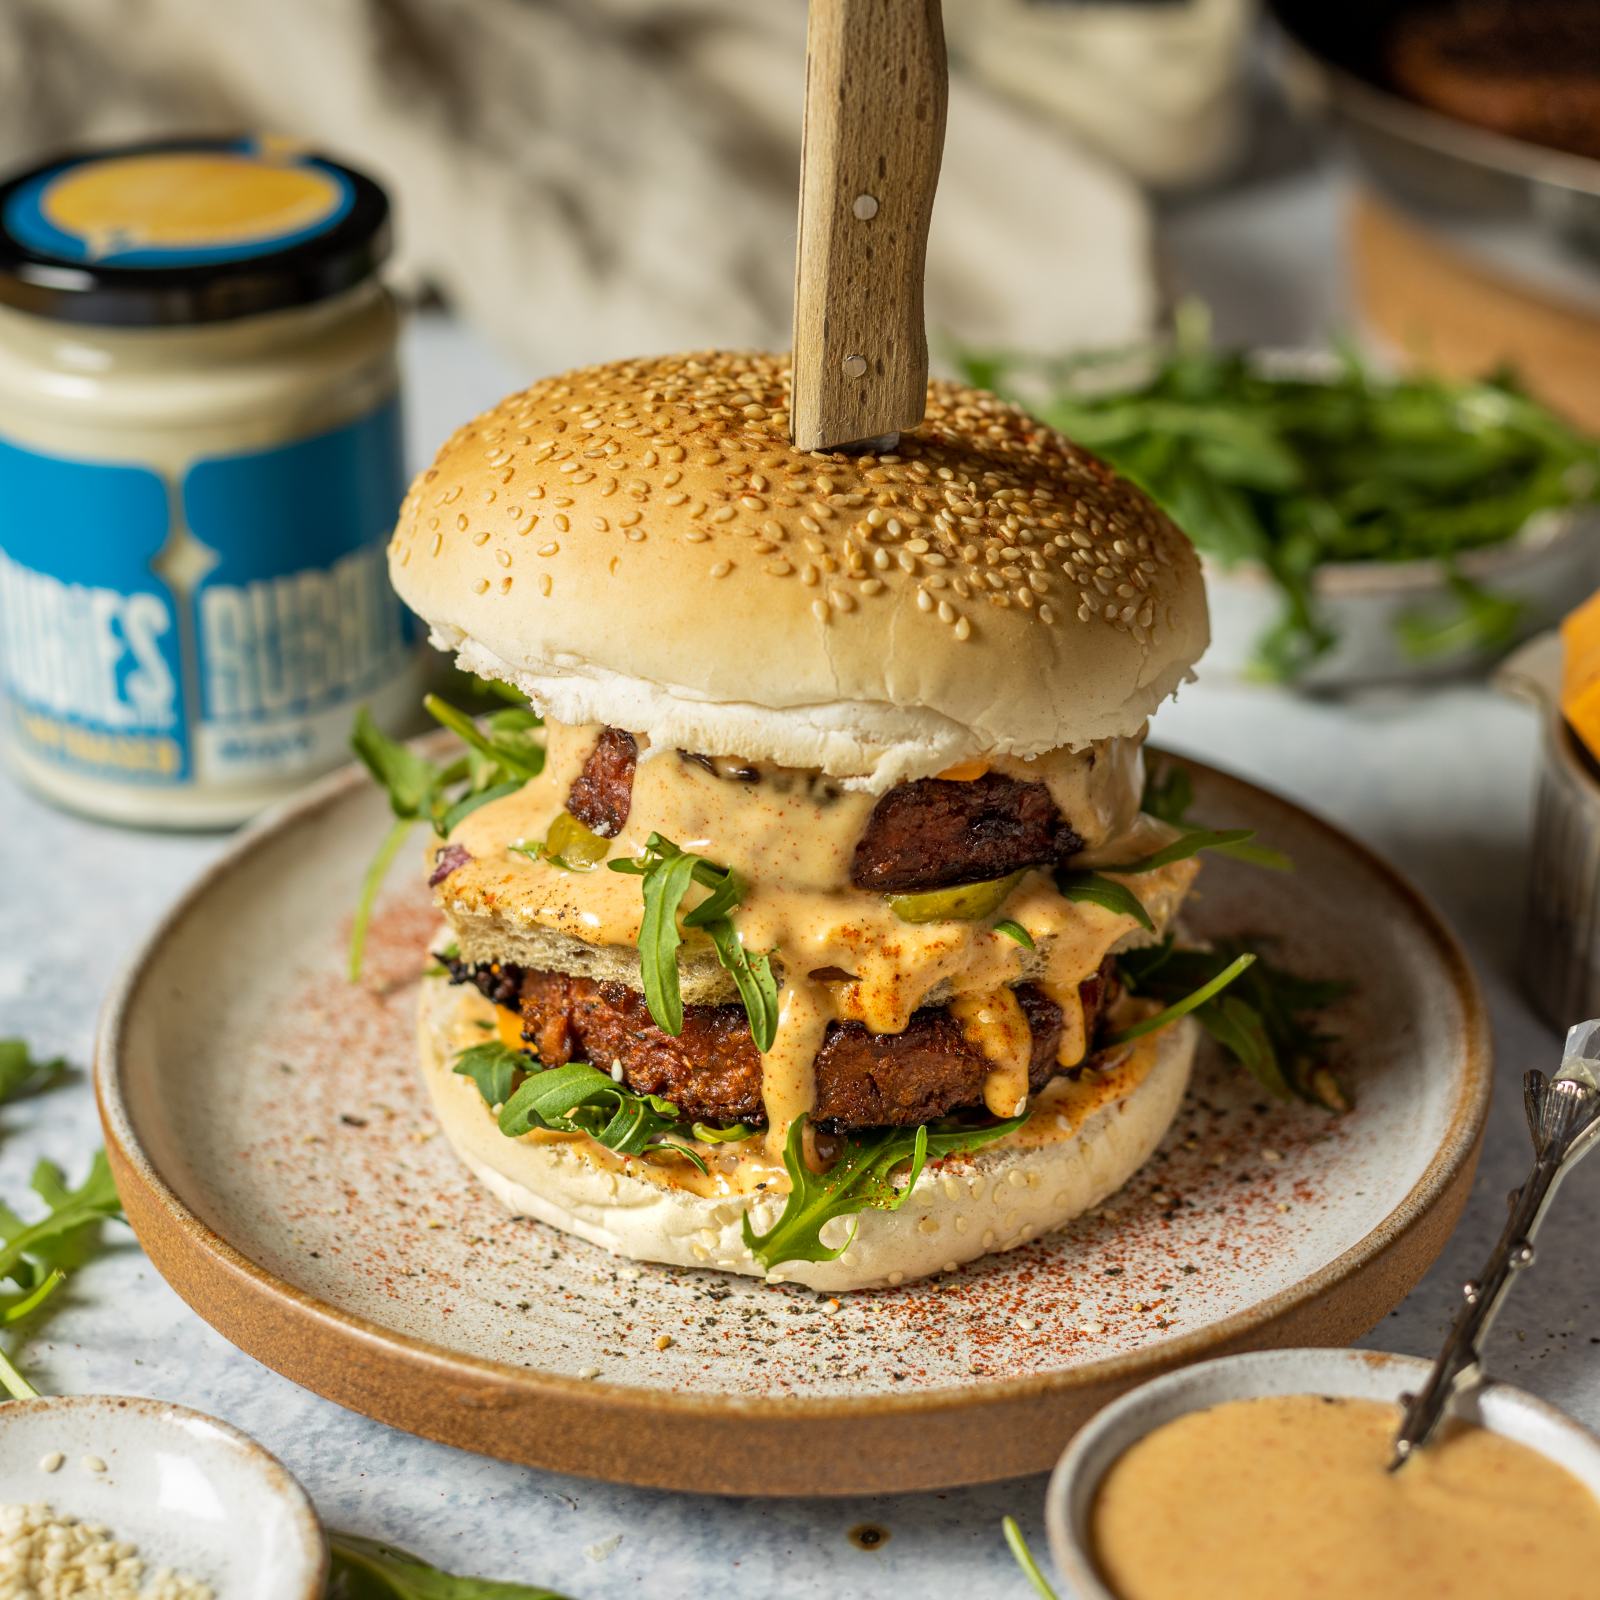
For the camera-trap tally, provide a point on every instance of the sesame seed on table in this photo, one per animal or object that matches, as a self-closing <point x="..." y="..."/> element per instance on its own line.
<point x="1406" y="776"/>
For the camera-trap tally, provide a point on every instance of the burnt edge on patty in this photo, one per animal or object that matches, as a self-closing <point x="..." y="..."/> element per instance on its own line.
<point x="712" y="1070"/>
<point x="932" y="833"/>
<point x="602" y="794"/>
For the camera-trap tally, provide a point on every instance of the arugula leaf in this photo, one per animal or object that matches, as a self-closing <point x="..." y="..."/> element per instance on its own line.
<point x="1481" y="621"/>
<point x="411" y="781"/>
<point x="367" y="1569"/>
<point x="667" y="872"/>
<point x="1295" y="473"/>
<point x="576" y="1098"/>
<point x="36" y="1256"/>
<point x="497" y="763"/>
<point x="1168" y="793"/>
<point x="666" y="881"/>
<point x="579" y="1097"/>
<point x="1023" y="1556"/>
<point x="507" y="740"/>
<point x="1102" y="891"/>
<point x="1264" y="1020"/>
<point x="22" y="1074"/>
<point x="1182" y="848"/>
<point x="1014" y="930"/>
<point x="493" y="1067"/>
<point x="861" y="1179"/>
<point x="446" y="821"/>
<point x="1190" y="1002"/>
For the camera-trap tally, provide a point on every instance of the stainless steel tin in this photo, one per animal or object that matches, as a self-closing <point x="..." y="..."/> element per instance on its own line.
<point x="1561" y="946"/>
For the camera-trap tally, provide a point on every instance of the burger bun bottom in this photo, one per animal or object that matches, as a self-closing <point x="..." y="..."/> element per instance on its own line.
<point x="968" y="1206"/>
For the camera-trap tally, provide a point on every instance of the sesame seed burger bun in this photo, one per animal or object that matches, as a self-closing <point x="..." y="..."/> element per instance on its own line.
<point x="992" y="1200"/>
<point x="639" y="544"/>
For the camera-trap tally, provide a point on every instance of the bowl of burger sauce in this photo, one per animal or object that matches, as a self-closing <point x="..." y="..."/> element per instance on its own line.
<point x="1265" y="1475"/>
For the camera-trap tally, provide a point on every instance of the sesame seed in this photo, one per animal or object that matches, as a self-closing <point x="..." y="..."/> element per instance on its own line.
<point x="1030" y="517"/>
<point x="721" y="569"/>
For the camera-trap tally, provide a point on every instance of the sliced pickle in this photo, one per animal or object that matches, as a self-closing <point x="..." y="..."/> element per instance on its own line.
<point x="573" y="846"/>
<point x="964" y="903"/>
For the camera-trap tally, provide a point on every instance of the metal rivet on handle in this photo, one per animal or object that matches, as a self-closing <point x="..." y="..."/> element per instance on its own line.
<point x="855" y="366"/>
<point x="865" y="206"/>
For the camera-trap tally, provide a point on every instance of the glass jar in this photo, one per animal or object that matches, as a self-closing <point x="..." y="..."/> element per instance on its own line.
<point x="200" y="463"/>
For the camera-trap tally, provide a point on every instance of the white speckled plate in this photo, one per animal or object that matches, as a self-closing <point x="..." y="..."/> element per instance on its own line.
<point x="276" y="1155"/>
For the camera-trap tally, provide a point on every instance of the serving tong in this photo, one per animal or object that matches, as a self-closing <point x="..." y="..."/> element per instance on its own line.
<point x="1564" y="1119"/>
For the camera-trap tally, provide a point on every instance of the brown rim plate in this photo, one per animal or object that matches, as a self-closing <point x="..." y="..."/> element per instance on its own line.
<point x="272" y="1142"/>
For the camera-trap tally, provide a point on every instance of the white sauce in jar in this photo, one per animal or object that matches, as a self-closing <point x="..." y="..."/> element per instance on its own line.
<point x="200" y="459"/>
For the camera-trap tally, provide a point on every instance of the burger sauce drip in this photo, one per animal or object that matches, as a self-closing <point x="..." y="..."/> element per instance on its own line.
<point x="791" y="837"/>
<point x="993" y="1023"/>
<point x="1074" y="1035"/>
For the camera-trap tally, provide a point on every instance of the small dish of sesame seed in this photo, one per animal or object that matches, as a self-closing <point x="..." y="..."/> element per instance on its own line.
<point x="112" y="1497"/>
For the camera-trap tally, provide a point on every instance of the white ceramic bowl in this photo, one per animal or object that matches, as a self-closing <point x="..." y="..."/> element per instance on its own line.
<point x="192" y="1493"/>
<point x="1350" y="1374"/>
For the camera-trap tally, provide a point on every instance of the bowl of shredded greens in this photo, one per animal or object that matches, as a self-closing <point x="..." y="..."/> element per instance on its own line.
<point x="1357" y="528"/>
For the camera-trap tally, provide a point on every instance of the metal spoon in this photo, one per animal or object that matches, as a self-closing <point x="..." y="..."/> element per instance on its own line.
<point x="1564" y="1119"/>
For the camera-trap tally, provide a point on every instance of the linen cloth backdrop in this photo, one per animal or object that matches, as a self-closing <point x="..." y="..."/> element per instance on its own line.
<point x="588" y="179"/>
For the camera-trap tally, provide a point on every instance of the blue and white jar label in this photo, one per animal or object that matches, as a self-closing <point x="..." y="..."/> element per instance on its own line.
<point x="219" y="629"/>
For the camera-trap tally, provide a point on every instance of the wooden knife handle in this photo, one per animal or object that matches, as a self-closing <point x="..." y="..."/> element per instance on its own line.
<point x="876" y="89"/>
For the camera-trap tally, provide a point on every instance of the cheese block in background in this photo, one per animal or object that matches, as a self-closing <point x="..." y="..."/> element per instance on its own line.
<point x="1580" y="673"/>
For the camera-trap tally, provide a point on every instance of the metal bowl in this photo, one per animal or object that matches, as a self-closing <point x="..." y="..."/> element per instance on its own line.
<point x="1560" y="955"/>
<point x="1530" y="211"/>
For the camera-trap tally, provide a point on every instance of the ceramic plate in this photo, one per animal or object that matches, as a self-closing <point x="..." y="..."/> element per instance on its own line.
<point x="276" y="1155"/>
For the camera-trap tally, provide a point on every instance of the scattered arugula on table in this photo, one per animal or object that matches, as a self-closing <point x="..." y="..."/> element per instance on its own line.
<point x="35" y="1257"/>
<point x="1024" y="1558"/>
<point x="575" y="1098"/>
<point x="666" y="873"/>
<point x="1296" y="472"/>
<point x="22" y="1073"/>
<point x="503" y="750"/>
<point x="860" y="1179"/>
<point x="368" y="1569"/>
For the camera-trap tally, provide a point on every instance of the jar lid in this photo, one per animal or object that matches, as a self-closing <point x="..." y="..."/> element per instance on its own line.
<point x="186" y="231"/>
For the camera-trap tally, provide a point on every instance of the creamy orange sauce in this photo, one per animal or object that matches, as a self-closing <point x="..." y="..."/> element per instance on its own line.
<point x="843" y="952"/>
<point x="1288" y="1496"/>
<point x="750" y="1166"/>
<point x="992" y="1022"/>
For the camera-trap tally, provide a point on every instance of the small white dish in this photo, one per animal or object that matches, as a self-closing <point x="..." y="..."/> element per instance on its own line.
<point x="1349" y="1374"/>
<point x="190" y="1492"/>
